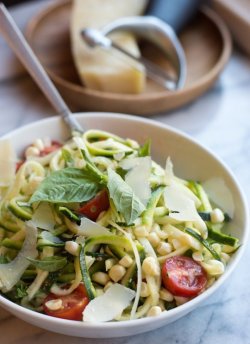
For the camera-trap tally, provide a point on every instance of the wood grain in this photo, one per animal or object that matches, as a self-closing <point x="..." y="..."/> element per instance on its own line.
<point x="206" y="42"/>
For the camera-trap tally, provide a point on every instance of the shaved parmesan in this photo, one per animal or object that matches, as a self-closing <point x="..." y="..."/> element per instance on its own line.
<point x="182" y="208"/>
<point x="43" y="217"/>
<point x="219" y="193"/>
<point x="89" y="228"/>
<point x="11" y="273"/>
<point x="138" y="176"/>
<point x="109" y="305"/>
<point x="171" y="179"/>
<point x="169" y="171"/>
<point x="7" y="163"/>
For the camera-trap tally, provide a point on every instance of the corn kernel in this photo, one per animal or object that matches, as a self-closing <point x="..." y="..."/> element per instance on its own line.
<point x="150" y="266"/>
<point x="153" y="239"/>
<point x="100" y="277"/>
<point x="72" y="247"/>
<point x="117" y="272"/>
<point x="197" y="256"/>
<point x="217" y="216"/>
<point x="164" y="248"/>
<point x="166" y="295"/>
<point x="141" y="231"/>
<point x="126" y="261"/>
<point x="154" y="311"/>
<point x="54" y="305"/>
<point x="109" y="263"/>
<point x="180" y="300"/>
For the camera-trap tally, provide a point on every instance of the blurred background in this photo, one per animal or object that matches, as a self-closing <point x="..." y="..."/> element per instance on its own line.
<point x="14" y="2"/>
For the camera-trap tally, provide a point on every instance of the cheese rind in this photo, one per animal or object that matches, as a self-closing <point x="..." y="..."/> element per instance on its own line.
<point x="104" y="70"/>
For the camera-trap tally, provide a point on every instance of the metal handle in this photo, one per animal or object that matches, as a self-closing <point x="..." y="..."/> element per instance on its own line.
<point x="176" y="13"/>
<point x="18" y="43"/>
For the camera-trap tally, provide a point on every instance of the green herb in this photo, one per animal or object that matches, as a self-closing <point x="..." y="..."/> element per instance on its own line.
<point x="145" y="150"/>
<point x="66" y="186"/>
<point x="50" y="264"/>
<point x="17" y="292"/>
<point x="21" y="291"/>
<point x="125" y="201"/>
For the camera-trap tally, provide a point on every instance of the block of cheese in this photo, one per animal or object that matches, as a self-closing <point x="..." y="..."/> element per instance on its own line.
<point x="100" y="69"/>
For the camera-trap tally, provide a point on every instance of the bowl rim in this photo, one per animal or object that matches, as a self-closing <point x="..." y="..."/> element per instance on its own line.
<point x="183" y="309"/>
<point x="210" y="14"/>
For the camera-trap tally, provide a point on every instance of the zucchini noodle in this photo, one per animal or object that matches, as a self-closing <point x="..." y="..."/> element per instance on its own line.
<point x="134" y="227"/>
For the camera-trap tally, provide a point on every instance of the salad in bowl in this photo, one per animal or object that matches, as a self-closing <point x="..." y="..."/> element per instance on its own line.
<point x="94" y="230"/>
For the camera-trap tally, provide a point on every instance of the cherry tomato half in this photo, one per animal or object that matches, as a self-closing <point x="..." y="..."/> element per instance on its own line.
<point x="72" y="304"/>
<point x="183" y="276"/>
<point x="54" y="146"/>
<point x="95" y="206"/>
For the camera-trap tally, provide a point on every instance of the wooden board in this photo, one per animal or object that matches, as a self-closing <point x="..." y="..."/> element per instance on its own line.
<point x="206" y="42"/>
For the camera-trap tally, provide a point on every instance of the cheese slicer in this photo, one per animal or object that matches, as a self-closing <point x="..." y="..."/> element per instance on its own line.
<point x="163" y="19"/>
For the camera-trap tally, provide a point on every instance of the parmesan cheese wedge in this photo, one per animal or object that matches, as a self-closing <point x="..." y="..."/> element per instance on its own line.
<point x="99" y="69"/>
<point x="138" y="176"/>
<point x="109" y="305"/>
<point x="220" y="194"/>
<point x="43" y="217"/>
<point x="89" y="228"/>
<point x="182" y="208"/>
<point x="7" y="163"/>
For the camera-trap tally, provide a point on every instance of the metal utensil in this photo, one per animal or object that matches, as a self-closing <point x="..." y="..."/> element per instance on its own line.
<point x="154" y="30"/>
<point x="18" y="43"/>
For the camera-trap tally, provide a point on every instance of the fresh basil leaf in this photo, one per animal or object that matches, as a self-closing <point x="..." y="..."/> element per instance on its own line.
<point x="50" y="264"/>
<point x="145" y="150"/>
<point x="125" y="201"/>
<point x="66" y="186"/>
<point x="92" y="169"/>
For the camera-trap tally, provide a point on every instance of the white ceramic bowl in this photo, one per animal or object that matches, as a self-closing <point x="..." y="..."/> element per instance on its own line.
<point x="190" y="159"/>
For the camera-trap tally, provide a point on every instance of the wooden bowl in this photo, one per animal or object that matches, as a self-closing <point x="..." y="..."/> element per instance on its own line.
<point x="206" y="42"/>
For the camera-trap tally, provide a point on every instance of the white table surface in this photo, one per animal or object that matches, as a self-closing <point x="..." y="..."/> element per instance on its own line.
<point x="221" y="121"/>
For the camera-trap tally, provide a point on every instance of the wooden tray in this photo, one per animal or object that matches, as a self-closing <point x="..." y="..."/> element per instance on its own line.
<point x="206" y="42"/>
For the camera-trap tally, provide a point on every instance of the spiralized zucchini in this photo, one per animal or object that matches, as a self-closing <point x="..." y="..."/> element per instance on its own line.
<point x="129" y="227"/>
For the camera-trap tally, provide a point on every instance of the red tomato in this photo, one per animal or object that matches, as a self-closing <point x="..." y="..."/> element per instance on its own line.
<point x="183" y="276"/>
<point x="72" y="304"/>
<point x="54" y="146"/>
<point x="95" y="206"/>
<point x="19" y="164"/>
